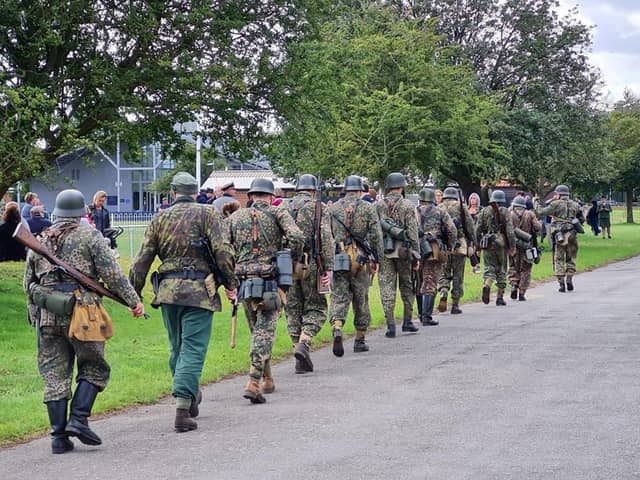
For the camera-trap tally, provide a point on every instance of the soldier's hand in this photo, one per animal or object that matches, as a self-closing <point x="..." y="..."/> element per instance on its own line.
<point x="416" y="266"/>
<point x="374" y="267"/>
<point x="138" y="310"/>
<point x="512" y="252"/>
<point x="232" y="295"/>
<point x="325" y="279"/>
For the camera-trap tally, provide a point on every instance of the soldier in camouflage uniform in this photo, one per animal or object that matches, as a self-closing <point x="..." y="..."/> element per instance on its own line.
<point x="400" y="235"/>
<point x="563" y="212"/>
<point x="258" y="233"/>
<point x="490" y="236"/>
<point x="352" y="286"/>
<point x="185" y="287"/>
<point x="306" y="309"/>
<point x="84" y="248"/>
<point x="519" y="265"/>
<point x="453" y="272"/>
<point x="434" y="223"/>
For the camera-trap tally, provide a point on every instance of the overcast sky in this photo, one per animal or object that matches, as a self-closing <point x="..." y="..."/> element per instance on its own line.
<point x="616" y="41"/>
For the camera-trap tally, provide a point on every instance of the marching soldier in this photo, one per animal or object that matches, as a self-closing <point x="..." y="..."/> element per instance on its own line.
<point x="519" y="264"/>
<point x="358" y="238"/>
<point x="453" y="272"/>
<point x="400" y="238"/>
<point x="495" y="237"/>
<point x="265" y="271"/>
<point x="84" y="248"/>
<point x="306" y="307"/>
<point x="566" y="222"/>
<point x="189" y="240"/>
<point x="436" y="228"/>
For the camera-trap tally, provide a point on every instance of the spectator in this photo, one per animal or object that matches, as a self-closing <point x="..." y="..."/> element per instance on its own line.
<point x="164" y="204"/>
<point x="98" y="214"/>
<point x="592" y="217"/>
<point x="10" y="249"/>
<point x="277" y="201"/>
<point x="604" y="216"/>
<point x="30" y="200"/>
<point x="367" y="196"/>
<point x="37" y="222"/>
<point x="228" y="195"/>
<point x="202" y="196"/>
<point x="474" y="210"/>
<point x="210" y="195"/>
<point x="438" y="197"/>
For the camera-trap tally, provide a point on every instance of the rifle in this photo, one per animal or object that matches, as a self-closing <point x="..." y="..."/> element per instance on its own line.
<point x="317" y="242"/>
<point x="361" y="243"/>
<point x="205" y="242"/>
<point x="27" y="239"/>
<point x="501" y="224"/>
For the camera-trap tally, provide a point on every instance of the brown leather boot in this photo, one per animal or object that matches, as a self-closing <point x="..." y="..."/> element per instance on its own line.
<point x="268" y="386"/>
<point x="184" y="422"/>
<point x="442" y="304"/>
<point x="252" y="391"/>
<point x="500" y="300"/>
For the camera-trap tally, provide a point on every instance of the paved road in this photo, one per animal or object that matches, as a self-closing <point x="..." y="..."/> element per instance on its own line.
<point x="547" y="389"/>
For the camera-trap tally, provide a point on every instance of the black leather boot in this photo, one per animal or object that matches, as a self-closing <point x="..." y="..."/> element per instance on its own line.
<point x="514" y="291"/>
<point x="455" y="308"/>
<point x="81" y="405"/>
<point x="408" y="326"/>
<point x="183" y="421"/>
<point x="391" y="326"/>
<point x="561" y="288"/>
<point x="359" y="345"/>
<point x="419" y="304"/>
<point x="302" y="355"/>
<point x="338" y="348"/>
<point x="60" y="442"/>
<point x="569" y="283"/>
<point x="194" y="409"/>
<point x="486" y="292"/>
<point x="500" y="298"/>
<point x="427" y="310"/>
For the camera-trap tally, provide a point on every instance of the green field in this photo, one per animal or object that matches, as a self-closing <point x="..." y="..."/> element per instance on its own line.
<point x="138" y="353"/>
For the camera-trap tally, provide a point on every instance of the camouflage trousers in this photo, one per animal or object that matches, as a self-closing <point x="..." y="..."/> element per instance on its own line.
<point x="495" y="267"/>
<point x="262" y="324"/>
<point x="395" y="273"/>
<point x="431" y="272"/>
<point x="520" y="270"/>
<point x="347" y="290"/>
<point x="564" y="257"/>
<point x="306" y="309"/>
<point x="453" y="276"/>
<point x="56" y="355"/>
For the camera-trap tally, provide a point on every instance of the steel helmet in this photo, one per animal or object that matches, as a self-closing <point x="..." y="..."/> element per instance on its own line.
<point x="307" y="182"/>
<point x="395" y="180"/>
<point x="519" y="202"/>
<point x="562" y="190"/>
<point x="353" y="183"/>
<point x="262" y="185"/>
<point x="450" y="192"/>
<point x="498" y="196"/>
<point x="69" y="203"/>
<point x="427" y="195"/>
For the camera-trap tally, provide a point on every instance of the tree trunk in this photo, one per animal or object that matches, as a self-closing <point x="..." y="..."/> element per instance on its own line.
<point x="629" y="201"/>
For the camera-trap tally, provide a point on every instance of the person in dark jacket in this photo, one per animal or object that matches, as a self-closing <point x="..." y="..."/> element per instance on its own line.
<point x="37" y="222"/>
<point x="592" y="218"/>
<point x="10" y="249"/>
<point x="99" y="216"/>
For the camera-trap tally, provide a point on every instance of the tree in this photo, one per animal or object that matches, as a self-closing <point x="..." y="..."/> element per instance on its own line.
<point x="81" y="72"/>
<point x="624" y="128"/>
<point x="536" y="64"/>
<point x="375" y="93"/>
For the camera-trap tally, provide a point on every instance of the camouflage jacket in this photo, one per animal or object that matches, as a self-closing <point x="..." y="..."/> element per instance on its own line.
<point x="257" y="233"/>
<point x="435" y="221"/>
<point x="489" y="224"/>
<point x="174" y="236"/>
<point x="303" y="210"/>
<point x="465" y="229"/>
<point x="527" y="222"/>
<point x="403" y="213"/>
<point x="83" y="247"/>
<point x="361" y="217"/>
<point x="562" y="211"/>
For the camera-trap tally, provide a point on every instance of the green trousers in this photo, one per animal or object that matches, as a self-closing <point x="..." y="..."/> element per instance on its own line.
<point x="189" y="330"/>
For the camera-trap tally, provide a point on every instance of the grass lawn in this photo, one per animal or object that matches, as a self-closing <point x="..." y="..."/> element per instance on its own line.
<point x="138" y="352"/>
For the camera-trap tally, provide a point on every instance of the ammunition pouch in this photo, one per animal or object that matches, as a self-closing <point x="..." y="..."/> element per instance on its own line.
<point x="487" y="241"/>
<point x="155" y="282"/>
<point x="439" y="254"/>
<point x="252" y="288"/>
<point x="90" y="322"/>
<point x="388" y="244"/>
<point x="461" y="247"/>
<point x="532" y="254"/>
<point x="243" y="271"/>
<point x="301" y="268"/>
<point x="263" y="294"/>
<point x="58" y="302"/>
<point x="341" y="262"/>
<point x="521" y="244"/>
